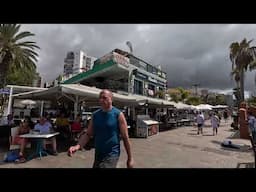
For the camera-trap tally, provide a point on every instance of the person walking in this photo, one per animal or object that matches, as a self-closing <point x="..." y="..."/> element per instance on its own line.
<point x="252" y="125"/>
<point x="106" y="126"/>
<point x="200" y="122"/>
<point x="215" y="123"/>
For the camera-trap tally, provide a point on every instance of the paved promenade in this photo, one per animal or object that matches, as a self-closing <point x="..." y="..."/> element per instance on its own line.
<point x="176" y="148"/>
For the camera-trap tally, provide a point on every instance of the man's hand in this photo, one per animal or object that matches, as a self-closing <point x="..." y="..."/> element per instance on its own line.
<point x="73" y="149"/>
<point x="130" y="163"/>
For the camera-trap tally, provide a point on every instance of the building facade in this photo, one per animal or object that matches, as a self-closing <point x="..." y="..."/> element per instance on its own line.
<point x="37" y="82"/>
<point x="121" y="71"/>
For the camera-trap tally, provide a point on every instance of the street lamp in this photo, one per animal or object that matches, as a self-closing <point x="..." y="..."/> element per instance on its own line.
<point x="196" y="85"/>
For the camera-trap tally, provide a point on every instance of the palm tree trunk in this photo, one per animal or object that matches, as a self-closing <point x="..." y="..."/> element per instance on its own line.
<point x="3" y="73"/>
<point x="4" y="66"/>
<point x="242" y="85"/>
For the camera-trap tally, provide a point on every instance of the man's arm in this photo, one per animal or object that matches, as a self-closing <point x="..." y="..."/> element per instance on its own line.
<point x="83" y="140"/>
<point x="125" y="137"/>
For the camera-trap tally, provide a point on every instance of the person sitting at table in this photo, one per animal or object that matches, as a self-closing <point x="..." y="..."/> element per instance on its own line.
<point x="76" y="127"/>
<point x="62" y="125"/>
<point x="45" y="127"/>
<point x="10" y="120"/>
<point x="23" y="129"/>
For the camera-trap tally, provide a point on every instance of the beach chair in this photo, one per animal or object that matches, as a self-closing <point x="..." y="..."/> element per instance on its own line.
<point x="13" y="146"/>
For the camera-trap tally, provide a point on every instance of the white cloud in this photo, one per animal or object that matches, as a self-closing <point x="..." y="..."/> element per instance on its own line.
<point x="143" y="28"/>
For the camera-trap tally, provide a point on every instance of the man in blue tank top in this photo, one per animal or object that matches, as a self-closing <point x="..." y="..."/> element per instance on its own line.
<point x="106" y="126"/>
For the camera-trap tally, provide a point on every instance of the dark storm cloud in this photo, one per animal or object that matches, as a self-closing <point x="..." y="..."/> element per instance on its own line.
<point x="188" y="53"/>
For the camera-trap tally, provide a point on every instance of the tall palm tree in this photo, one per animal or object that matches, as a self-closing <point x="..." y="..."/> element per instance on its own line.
<point x="236" y="91"/>
<point x="14" y="50"/>
<point x="242" y="56"/>
<point x="253" y="67"/>
<point x="20" y="76"/>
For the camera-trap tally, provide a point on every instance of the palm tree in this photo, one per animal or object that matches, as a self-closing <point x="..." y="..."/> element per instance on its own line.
<point x="15" y="51"/>
<point x="174" y="97"/>
<point x="193" y="100"/>
<point x="236" y="91"/>
<point x="183" y="94"/>
<point x="20" y="76"/>
<point x="160" y="94"/>
<point x="242" y="56"/>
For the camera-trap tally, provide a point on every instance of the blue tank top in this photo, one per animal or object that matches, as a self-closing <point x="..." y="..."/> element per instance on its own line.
<point x="106" y="133"/>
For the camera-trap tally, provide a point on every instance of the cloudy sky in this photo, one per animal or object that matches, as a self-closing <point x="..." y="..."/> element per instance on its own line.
<point x="189" y="53"/>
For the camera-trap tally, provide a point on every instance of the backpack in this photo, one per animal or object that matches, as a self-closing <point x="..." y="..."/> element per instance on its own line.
<point x="11" y="156"/>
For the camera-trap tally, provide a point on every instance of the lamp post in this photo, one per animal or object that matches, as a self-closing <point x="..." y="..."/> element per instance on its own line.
<point x="196" y="85"/>
<point x="129" y="44"/>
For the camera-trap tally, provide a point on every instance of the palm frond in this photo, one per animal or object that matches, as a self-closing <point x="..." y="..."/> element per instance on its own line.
<point x="23" y="35"/>
<point x="15" y="53"/>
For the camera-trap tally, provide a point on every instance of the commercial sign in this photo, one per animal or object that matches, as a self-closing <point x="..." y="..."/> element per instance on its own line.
<point x="105" y="58"/>
<point x="120" y="59"/>
<point x="5" y="91"/>
<point x="150" y="92"/>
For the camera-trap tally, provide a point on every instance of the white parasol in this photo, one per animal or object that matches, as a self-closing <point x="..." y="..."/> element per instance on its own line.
<point x="28" y="102"/>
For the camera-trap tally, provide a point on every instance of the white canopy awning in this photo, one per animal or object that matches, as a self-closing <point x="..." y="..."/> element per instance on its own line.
<point x="180" y="105"/>
<point x="90" y="94"/>
<point x="153" y="101"/>
<point x="202" y="107"/>
<point x="219" y="106"/>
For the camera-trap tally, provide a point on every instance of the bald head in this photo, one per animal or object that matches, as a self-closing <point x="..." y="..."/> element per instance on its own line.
<point x="106" y="99"/>
<point x="106" y="91"/>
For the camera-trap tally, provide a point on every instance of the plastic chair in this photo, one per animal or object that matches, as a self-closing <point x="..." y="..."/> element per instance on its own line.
<point x="13" y="146"/>
<point x="75" y="129"/>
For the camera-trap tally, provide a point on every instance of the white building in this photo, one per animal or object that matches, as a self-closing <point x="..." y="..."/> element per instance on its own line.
<point x="77" y="62"/>
<point x="229" y="100"/>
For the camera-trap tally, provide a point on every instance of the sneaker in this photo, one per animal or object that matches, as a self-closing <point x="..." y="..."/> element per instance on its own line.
<point x="21" y="159"/>
<point x="55" y="153"/>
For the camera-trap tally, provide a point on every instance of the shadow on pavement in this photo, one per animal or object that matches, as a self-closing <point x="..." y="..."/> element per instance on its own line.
<point x="208" y="135"/>
<point x="235" y="135"/>
<point x="216" y="142"/>
<point x="244" y="148"/>
<point x="245" y="165"/>
<point x="232" y="130"/>
<point x="192" y="134"/>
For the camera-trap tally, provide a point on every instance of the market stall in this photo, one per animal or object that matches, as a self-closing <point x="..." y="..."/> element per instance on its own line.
<point x="146" y="127"/>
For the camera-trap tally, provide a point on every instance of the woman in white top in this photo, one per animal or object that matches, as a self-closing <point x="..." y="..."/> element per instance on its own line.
<point x="215" y="123"/>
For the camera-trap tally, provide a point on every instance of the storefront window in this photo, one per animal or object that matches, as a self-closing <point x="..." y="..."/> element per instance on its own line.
<point x="138" y="87"/>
